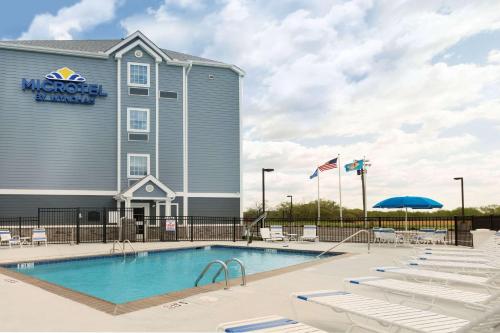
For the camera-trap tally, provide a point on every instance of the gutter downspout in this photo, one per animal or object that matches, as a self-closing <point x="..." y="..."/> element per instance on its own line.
<point x="185" y="128"/>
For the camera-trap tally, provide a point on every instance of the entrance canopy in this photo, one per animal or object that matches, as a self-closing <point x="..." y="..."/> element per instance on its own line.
<point x="148" y="188"/>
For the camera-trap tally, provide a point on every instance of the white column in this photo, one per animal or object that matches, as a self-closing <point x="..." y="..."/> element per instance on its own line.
<point x="118" y="123"/>
<point x="157" y="119"/>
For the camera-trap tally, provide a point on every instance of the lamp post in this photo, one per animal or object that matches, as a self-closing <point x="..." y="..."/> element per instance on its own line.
<point x="462" y="190"/>
<point x="264" y="189"/>
<point x="291" y="205"/>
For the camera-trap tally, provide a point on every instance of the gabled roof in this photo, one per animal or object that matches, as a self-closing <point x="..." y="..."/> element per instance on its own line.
<point x="102" y="48"/>
<point x="97" y="46"/>
<point x="128" y="193"/>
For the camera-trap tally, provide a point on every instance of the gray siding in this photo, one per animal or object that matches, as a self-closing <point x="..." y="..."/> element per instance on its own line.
<point x="214" y="157"/>
<point x="27" y="205"/>
<point x="56" y="145"/>
<point x="170" y="150"/>
<point x="147" y="102"/>
<point x="214" y="207"/>
<point x="142" y="193"/>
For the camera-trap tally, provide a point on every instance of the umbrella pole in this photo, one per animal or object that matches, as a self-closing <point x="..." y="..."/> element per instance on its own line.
<point x="406" y="218"/>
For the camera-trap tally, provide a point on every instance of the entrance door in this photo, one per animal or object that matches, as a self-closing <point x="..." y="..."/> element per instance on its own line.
<point x="141" y="214"/>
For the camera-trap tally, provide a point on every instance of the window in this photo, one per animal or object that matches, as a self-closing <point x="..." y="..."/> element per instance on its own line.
<point x="138" y="137"/>
<point x="138" y="91"/>
<point x="168" y="94"/>
<point x="138" y="165"/>
<point x="138" y="74"/>
<point x="138" y="120"/>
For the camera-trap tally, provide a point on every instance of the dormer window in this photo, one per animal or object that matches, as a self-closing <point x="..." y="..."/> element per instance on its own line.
<point x="138" y="74"/>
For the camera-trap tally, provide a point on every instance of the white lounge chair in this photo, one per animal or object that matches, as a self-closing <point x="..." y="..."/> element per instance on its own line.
<point x="395" y="316"/>
<point x="452" y="258"/>
<point x="310" y="233"/>
<point x="376" y="235"/>
<point x="266" y="235"/>
<point x="388" y="235"/>
<point x="268" y="324"/>
<point x="465" y="267"/>
<point x="425" y="236"/>
<point x="439" y="236"/>
<point x="39" y="236"/>
<point x="277" y="233"/>
<point x="428" y="292"/>
<point x="6" y="237"/>
<point x="462" y="253"/>
<point x="444" y="277"/>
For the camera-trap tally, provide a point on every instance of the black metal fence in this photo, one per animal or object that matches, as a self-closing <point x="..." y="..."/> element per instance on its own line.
<point x="94" y="225"/>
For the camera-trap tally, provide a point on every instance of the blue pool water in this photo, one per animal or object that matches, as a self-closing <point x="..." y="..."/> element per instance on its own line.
<point x="120" y="280"/>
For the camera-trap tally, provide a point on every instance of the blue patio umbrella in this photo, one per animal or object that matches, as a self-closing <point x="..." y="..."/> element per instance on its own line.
<point x="408" y="202"/>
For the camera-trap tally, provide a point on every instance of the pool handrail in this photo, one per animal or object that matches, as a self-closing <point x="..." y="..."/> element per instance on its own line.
<point x="126" y="241"/>
<point x="242" y="267"/>
<point x="346" y="239"/>
<point x="207" y="267"/>
<point x="121" y="246"/>
<point x="261" y="217"/>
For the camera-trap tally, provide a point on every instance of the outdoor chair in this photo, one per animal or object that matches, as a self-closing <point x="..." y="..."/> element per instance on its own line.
<point x="425" y="236"/>
<point x="267" y="236"/>
<point x="310" y="233"/>
<point x="447" y="278"/>
<point x="395" y="317"/>
<point x="5" y="237"/>
<point x="376" y="235"/>
<point x="268" y="324"/>
<point x="277" y="233"/>
<point x="428" y="293"/>
<point x="388" y="235"/>
<point x="456" y="267"/>
<point x="39" y="236"/>
<point x="439" y="236"/>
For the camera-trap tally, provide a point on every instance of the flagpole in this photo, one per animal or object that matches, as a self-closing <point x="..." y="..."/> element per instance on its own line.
<point x="340" y="192"/>
<point x="319" y="208"/>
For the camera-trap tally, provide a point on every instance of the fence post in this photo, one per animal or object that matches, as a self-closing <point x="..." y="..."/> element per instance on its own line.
<point x="234" y="229"/>
<point x="176" y="230"/>
<point x="20" y="219"/>
<point x="78" y="226"/>
<point x="456" y="230"/>
<point x="191" y="228"/>
<point x="104" y="225"/>
<point x="380" y="221"/>
<point x="38" y="218"/>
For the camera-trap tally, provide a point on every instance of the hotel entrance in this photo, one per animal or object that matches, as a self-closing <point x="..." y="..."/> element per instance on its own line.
<point x="140" y="211"/>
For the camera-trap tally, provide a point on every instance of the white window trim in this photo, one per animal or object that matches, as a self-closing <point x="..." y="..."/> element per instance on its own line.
<point x="132" y="130"/>
<point x="148" y="171"/>
<point x="148" y="71"/>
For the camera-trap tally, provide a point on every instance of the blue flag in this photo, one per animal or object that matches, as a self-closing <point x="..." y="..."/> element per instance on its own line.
<point x="315" y="174"/>
<point x="356" y="165"/>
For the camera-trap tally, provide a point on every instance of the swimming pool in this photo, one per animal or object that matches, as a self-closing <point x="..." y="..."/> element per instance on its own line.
<point x="120" y="280"/>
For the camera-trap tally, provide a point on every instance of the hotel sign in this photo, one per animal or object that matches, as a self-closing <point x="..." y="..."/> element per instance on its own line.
<point x="64" y="86"/>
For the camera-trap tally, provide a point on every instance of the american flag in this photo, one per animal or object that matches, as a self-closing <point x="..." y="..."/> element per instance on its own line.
<point x="331" y="164"/>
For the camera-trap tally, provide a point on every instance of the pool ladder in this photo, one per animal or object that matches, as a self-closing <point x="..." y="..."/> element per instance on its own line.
<point x="121" y="246"/>
<point x="223" y="268"/>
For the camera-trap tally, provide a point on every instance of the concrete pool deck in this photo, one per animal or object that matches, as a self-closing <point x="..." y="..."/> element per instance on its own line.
<point x="25" y="307"/>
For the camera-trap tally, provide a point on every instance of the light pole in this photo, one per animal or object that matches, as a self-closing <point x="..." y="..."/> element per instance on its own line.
<point x="291" y="205"/>
<point x="264" y="189"/>
<point x="462" y="189"/>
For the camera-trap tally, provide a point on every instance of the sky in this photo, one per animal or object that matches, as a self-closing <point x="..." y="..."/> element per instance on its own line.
<point x="412" y="85"/>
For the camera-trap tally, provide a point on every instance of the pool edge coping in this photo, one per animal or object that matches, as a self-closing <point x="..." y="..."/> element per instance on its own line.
<point x="141" y="304"/>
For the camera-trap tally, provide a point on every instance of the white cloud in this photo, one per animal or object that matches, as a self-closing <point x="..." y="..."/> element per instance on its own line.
<point x="72" y="20"/>
<point x="494" y="56"/>
<point x="348" y="76"/>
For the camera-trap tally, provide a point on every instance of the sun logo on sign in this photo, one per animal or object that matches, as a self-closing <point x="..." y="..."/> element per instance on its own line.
<point x="65" y="74"/>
